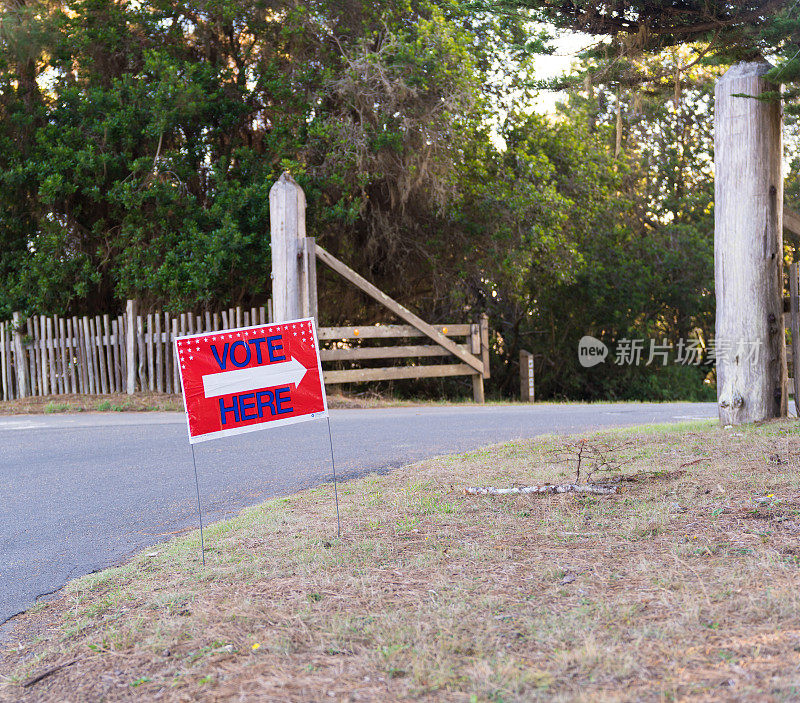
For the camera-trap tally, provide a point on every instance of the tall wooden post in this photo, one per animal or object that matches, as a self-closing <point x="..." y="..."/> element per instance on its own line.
<point x="131" y="346"/>
<point x="748" y="248"/>
<point x="20" y="363"/>
<point x="287" y="215"/>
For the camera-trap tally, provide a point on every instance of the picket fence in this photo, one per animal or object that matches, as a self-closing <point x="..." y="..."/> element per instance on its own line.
<point x="48" y="356"/>
<point x="44" y="355"/>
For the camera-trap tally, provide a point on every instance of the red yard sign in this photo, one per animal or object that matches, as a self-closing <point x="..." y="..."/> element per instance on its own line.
<point x="251" y="378"/>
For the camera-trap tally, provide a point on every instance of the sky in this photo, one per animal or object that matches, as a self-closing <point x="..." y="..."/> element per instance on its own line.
<point x="567" y="47"/>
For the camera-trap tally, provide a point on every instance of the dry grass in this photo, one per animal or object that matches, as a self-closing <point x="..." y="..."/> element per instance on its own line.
<point x="683" y="587"/>
<point x="75" y="403"/>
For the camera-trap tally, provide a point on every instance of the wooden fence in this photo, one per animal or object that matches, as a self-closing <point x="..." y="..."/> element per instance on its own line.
<point x="89" y="355"/>
<point x="295" y="295"/>
<point x="43" y="356"/>
<point x="473" y="355"/>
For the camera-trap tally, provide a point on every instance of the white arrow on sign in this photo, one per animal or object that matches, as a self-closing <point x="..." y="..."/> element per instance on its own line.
<point x="280" y="374"/>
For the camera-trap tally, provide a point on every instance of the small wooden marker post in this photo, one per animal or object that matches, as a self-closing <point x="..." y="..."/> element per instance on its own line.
<point x="526" y="376"/>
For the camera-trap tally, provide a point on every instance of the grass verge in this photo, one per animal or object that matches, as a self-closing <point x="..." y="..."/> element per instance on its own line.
<point x="76" y="403"/>
<point x="684" y="586"/>
<point x="161" y="402"/>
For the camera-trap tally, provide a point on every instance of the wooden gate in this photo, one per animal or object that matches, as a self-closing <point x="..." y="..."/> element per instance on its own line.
<point x="294" y="294"/>
<point x="473" y="354"/>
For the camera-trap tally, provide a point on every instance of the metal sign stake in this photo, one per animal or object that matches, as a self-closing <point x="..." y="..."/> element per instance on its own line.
<point x="335" y="492"/>
<point x="199" y="509"/>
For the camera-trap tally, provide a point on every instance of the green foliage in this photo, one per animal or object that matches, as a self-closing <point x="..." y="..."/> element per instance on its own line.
<point x="615" y="246"/>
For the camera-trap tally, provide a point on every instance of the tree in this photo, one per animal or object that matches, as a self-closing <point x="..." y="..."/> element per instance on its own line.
<point x="140" y="148"/>
<point x="717" y="31"/>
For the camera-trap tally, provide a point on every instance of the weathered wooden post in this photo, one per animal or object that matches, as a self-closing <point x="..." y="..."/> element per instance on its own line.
<point x="748" y="248"/>
<point x="130" y="345"/>
<point x="526" y="390"/>
<point x="310" y="275"/>
<point x="479" y="346"/>
<point x="20" y="363"/>
<point x="475" y="348"/>
<point x="287" y="215"/>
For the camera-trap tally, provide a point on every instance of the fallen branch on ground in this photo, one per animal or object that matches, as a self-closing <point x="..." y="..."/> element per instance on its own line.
<point x="47" y="672"/>
<point x="696" y="461"/>
<point x="563" y="488"/>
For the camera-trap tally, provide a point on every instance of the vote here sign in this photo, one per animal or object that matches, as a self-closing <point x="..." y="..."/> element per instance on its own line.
<point x="247" y="379"/>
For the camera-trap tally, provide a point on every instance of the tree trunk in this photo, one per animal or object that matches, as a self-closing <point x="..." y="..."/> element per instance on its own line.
<point x="748" y="248"/>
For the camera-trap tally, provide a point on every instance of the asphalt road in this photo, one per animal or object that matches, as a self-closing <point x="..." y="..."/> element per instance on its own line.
<point x="81" y="492"/>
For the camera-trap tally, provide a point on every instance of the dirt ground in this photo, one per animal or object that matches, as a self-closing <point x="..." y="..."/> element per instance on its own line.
<point x="681" y="586"/>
